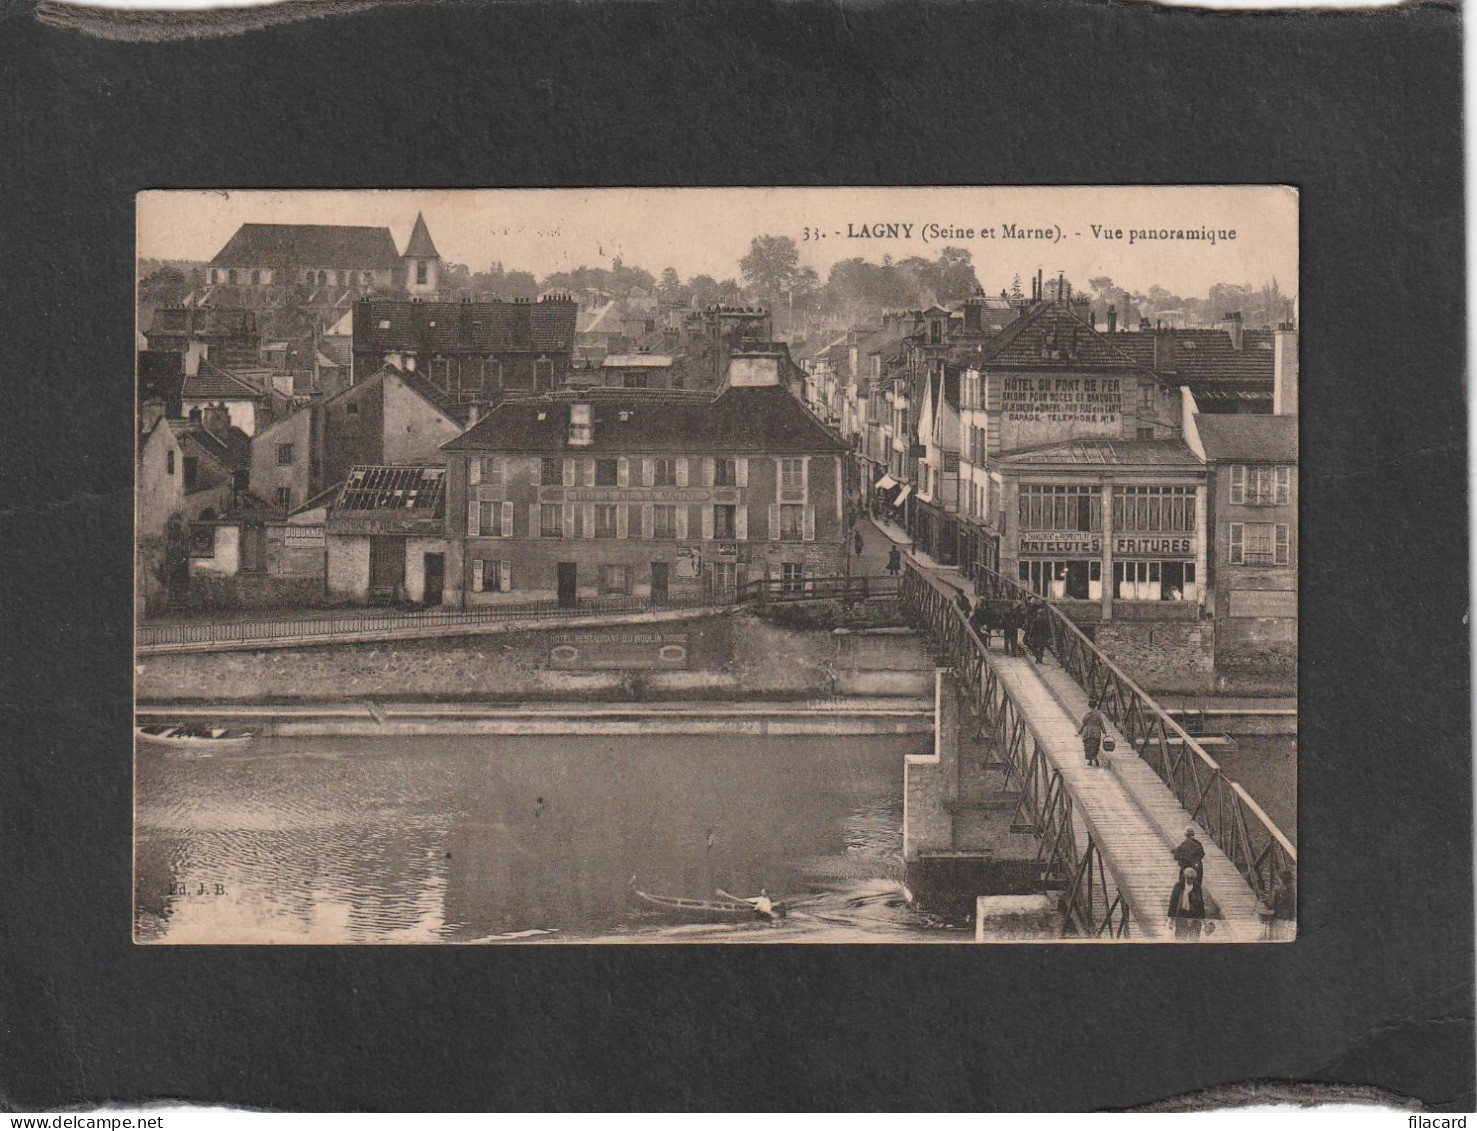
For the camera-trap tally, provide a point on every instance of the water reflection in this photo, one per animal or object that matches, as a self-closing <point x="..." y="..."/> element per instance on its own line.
<point x="482" y="839"/>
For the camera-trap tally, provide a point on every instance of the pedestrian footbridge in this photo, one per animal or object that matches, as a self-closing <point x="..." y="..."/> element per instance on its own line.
<point x="1105" y="836"/>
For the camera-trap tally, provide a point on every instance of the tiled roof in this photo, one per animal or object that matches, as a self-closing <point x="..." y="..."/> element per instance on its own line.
<point x="385" y="326"/>
<point x="309" y="245"/>
<point x="231" y="451"/>
<point x="393" y="489"/>
<point x="213" y="382"/>
<point x="761" y="420"/>
<point x="1248" y="437"/>
<point x="161" y="376"/>
<point x="1204" y="356"/>
<point x="1051" y="335"/>
<point x="1162" y="453"/>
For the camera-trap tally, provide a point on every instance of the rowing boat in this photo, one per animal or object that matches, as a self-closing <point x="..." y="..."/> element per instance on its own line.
<point x="705" y="908"/>
<point x="193" y="737"/>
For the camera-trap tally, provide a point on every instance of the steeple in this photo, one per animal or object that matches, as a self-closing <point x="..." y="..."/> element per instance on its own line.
<point x="421" y="245"/>
<point x="422" y="262"/>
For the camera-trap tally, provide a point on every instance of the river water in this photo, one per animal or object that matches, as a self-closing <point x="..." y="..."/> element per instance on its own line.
<point x="490" y="839"/>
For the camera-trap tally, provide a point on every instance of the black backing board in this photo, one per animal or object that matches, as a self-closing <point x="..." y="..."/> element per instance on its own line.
<point x="1361" y="112"/>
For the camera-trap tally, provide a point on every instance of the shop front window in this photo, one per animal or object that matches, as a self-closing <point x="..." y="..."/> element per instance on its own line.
<point x="1078" y="579"/>
<point x="1154" y="581"/>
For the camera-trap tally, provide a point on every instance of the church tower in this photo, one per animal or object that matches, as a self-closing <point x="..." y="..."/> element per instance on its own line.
<point x="422" y="262"/>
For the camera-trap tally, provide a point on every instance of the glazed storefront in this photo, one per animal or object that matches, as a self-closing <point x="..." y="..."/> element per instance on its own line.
<point x="1118" y="548"/>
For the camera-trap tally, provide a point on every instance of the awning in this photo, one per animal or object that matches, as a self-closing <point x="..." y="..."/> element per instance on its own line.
<point x="902" y="496"/>
<point x="886" y="483"/>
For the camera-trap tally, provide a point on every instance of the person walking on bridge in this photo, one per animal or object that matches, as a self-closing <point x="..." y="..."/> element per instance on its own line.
<point x="1187" y="905"/>
<point x="1094" y="726"/>
<point x="857" y="543"/>
<point x="894" y="561"/>
<point x="980" y="620"/>
<point x="1190" y="852"/>
<point x="1038" y="632"/>
<point x="1012" y="625"/>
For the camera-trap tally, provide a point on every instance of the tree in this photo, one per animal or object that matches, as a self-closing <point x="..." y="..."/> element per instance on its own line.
<point x="770" y="266"/>
<point x="670" y="284"/>
<point x="165" y="286"/>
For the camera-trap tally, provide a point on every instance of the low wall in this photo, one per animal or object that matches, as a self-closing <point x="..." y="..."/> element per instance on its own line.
<point x="1162" y="656"/>
<point x="254" y="591"/>
<point x="930" y="780"/>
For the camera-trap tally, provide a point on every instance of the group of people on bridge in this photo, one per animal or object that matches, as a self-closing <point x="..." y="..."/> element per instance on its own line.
<point x="1025" y="625"/>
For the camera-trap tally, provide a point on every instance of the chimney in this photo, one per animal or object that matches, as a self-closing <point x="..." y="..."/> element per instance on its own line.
<point x="1112" y="319"/>
<point x="472" y="413"/>
<point x="972" y="316"/>
<point x="194" y="351"/>
<point x="1145" y="325"/>
<point x="1231" y="324"/>
<point x="1164" y="344"/>
<point x="1285" y="370"/>
<point x="216" y="419"/>
<point x="151" y="412"/>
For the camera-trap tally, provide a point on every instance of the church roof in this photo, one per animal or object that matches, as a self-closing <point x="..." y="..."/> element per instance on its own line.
<point x="310" y="245"/>
<point x="421" y="243"/>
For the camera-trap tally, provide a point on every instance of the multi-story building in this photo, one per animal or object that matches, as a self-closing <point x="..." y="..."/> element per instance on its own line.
<point x="1075" y="477"/>
<point x="649" y="493"/>
<point x="1254" y="534"/>
<point x="472" y="352"/>
<point x="937" y="515"/>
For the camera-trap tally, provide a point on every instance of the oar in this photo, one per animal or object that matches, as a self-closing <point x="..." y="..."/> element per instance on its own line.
<point x="750" y="902"/>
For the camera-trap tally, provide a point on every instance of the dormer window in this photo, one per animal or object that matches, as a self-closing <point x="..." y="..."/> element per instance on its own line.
<point x="581" y="425"/>
<point x="420" y="272"/>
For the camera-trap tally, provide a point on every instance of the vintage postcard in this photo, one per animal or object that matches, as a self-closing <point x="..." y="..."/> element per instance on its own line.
<point x="747" y="565"/>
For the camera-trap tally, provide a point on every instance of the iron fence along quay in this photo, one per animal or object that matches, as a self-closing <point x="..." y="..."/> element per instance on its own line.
<point x="1258" y="849"/>
<point x="360" y="623"/>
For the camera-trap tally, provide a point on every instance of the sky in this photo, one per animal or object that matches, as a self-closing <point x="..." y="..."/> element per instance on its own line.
<point x="707" y="231"/>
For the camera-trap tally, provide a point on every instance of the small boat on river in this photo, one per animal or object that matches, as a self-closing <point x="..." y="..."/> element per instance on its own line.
<point x="707" y="908"/>
<point x="189" y="736"/>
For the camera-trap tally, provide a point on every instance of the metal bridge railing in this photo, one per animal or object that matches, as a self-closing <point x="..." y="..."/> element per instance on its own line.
<point x="1236" y="823"/>
<point x="1092" y="903"/>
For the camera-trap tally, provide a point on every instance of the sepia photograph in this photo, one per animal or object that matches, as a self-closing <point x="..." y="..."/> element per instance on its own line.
<point x="716" y="566"/>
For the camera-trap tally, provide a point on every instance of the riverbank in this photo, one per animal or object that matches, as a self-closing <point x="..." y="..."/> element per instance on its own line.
<point x="740" y="657"/>
<point x="820" y="718"/>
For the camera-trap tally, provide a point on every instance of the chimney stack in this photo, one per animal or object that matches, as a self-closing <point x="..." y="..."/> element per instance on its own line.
<point x="972" y="315"/>
<point x="1231" y="323"/>
<point x="1164" y="351"/>
<point x="1285" y="370"/>
<point x="1112" y="319"/>
<point x="216" y="419"/>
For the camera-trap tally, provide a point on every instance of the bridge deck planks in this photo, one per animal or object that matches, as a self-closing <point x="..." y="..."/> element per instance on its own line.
<point x="1137" y="818"/>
